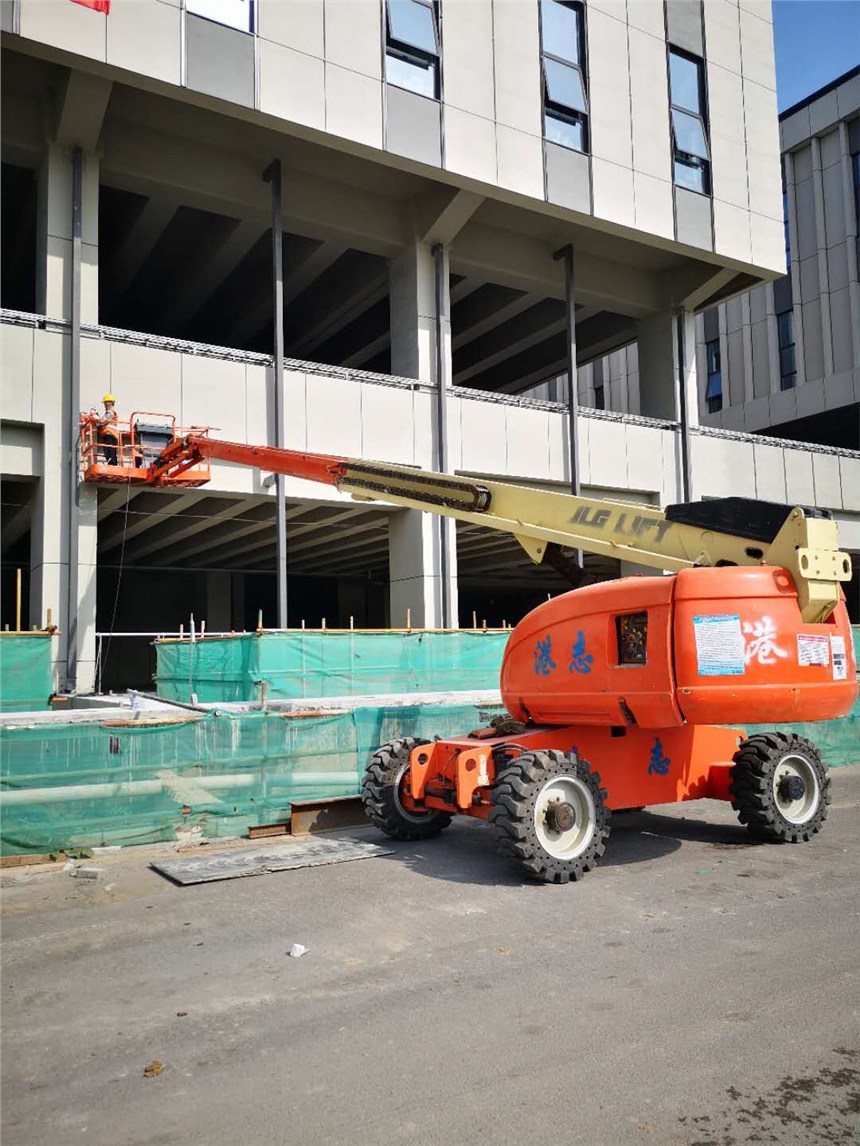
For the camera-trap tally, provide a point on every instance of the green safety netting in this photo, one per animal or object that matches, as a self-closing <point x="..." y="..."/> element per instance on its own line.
<point x="302" y="664"/>
<point x="81" y="785"/>
<point x="25" y="671"/>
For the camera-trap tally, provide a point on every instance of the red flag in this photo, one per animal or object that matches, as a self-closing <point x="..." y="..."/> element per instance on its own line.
<point x="98" y="5"/>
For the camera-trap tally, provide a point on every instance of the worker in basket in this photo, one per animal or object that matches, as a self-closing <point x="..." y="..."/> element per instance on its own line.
<point x="108" y="431"/>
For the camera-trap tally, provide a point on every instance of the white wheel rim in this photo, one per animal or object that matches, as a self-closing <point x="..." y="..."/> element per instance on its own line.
<point x="802" y="809"/>
<point x="406" y="813"/>
<point x="569" y="844"/>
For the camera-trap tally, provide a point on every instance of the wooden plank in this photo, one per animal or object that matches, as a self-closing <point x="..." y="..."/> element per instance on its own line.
<point x="326" y="815"/>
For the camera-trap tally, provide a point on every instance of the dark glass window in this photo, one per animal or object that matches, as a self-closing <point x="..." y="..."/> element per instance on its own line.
<point x="691" y="155"/>
<point x="787" y="361"/>
<point x="714" y="388"/>
<point x="631" y="630"/>
<point x="599" y="398"/>
<point x="785" y="220"/>
<point x="412" y="46"/>
<point x="565" y="95"/>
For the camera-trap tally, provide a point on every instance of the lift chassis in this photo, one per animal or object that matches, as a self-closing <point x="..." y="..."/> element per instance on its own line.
<point x="618" y="695"/>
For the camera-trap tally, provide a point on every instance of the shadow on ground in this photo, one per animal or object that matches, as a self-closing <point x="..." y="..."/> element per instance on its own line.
<point x="465" y="853"/>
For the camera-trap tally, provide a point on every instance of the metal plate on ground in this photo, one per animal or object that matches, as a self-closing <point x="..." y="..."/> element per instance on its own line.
<point x="261" y="861"/>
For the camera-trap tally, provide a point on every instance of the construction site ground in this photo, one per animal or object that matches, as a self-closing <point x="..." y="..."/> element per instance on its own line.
<point x="695" y="989"/>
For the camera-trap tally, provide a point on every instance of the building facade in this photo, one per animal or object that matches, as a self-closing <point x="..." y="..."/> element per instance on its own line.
<point x="473" y="195"/>
<point x="785" y="358"/>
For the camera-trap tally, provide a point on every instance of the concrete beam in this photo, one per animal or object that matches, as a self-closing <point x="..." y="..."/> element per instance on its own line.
<point x="146" y="159"/>
<point x="298" y="278"/>
<point x="441" y="213"/>
<point x="179" y="532"/>
<point x="16" y="523"/>
<point x="219" y="263"/>
<point x="479" y="317"/>
<point x="132" y="253"/>
<point x="491" y="254"/>
<point x="358" y="296"/>
<point x="116" y="500"/>
<point x="80" y="111"/>
<point x="144" y="521"/>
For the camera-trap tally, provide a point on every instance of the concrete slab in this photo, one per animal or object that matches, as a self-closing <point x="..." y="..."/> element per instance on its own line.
<point x="695" y="988"/>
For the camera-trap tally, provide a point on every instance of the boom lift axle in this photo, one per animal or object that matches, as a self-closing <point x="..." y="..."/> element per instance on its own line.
<point x="618" y="694"/>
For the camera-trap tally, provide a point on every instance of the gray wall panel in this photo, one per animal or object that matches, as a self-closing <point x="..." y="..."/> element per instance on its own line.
<point x="761" y="362"/>
<point x="736" y="388"/>
<point x="693" y="222"/>
<point x="220" y="60"/>
<point x="567" y="178"/>
<point x="813" y="349"/>
<point x="712" y="324"/>
<point x="758" y="304"/>
<point x="413" y="126"/>
<point x="7" y="16"/>
<point x="809" y="282"/>
<point x="840" y="326"/>
<point x="684" y="25"/>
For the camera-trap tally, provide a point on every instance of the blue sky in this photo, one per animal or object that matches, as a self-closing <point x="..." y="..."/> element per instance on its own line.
<point x="815" y="41"/>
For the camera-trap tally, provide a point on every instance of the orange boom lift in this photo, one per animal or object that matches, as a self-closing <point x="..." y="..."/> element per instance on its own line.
<point x="617" y="694"/>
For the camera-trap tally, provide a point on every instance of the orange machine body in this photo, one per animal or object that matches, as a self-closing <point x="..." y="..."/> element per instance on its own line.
<point x="705" y="646"/>
<point x="637" y="676"/>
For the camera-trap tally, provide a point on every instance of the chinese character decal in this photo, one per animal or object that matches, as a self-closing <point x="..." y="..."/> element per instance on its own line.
<point x="580" y="661"/>
<point x="761" y="645"/>
<point x="544" y="664"/>
<point x="660" y="762"/>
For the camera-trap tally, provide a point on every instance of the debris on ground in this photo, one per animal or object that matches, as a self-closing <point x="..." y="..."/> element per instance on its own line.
<point x="153" y="1069"/>
<point x="296" y="951"/>
<point x="87" y="872"/>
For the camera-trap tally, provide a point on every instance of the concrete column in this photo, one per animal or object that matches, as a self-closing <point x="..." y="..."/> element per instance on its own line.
<point x="655" y="338"/>
<point x="418" y="567"/>
<point x="64" y="527"/>
<point x="659" y="341"/>
<point x="49" y="570"/>
<point x="54" y="236"/>
<point x="414" y="563"/>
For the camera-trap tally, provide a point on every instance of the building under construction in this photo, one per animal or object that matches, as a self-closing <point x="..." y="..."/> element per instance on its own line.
<point x="467" y="206"/>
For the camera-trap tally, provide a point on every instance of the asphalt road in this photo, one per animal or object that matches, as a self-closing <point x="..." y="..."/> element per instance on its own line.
<point x="696" y="989"/>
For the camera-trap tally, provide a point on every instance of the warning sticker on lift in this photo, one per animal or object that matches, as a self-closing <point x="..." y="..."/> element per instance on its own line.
<point x="719" y="645"/>
<point x="812" y="650"/>
<point x="840" y="658"/>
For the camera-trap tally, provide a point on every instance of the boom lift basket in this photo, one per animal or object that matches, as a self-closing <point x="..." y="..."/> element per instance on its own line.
<point x="127" y="451"/>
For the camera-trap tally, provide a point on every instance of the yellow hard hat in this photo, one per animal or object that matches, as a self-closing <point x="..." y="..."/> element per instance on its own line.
<point x="108" y="398"/>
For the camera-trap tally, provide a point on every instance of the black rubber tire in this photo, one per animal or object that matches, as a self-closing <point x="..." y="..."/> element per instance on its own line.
<point x="751" y="786"/>
<point x="379" y="793"/>
<point x="512" y="817"/>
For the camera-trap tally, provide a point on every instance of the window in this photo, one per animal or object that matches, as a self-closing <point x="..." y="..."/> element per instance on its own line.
<point x="785" y="335"/>
<point x="599" y="397"/>
<point x="691" y="157"/>
<point x="565" y="100"/>
<point x="714" y="389"/>
<point x="412" y="46"/>
<point x="237" y="14"/>
<point x="631" y="631"/>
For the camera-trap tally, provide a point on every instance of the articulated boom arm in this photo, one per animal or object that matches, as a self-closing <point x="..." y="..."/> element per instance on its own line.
<point x="731" y="531"/>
